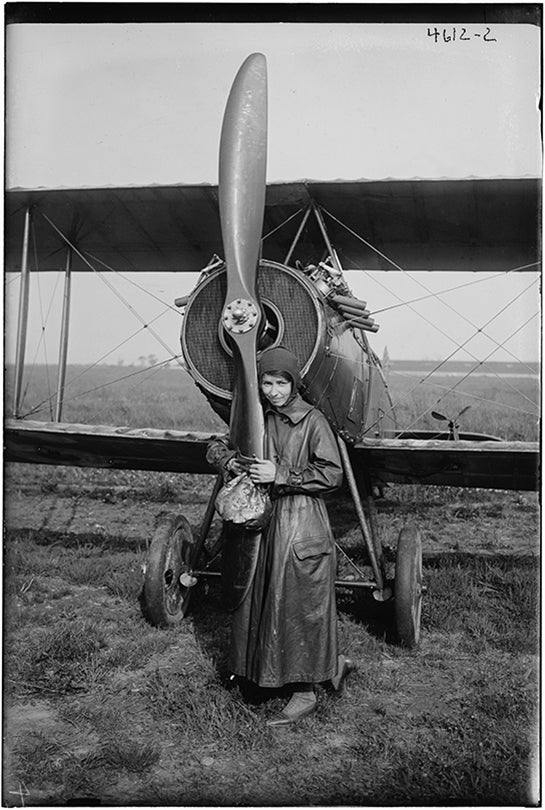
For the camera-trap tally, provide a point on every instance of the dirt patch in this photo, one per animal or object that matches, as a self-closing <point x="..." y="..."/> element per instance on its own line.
<point x="36" y="715"/>
<point x="49" y="509"/>
<point x="468" y="521"/>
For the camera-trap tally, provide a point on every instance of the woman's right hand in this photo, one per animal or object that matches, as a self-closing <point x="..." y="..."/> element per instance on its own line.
<point x="234" y="466"/>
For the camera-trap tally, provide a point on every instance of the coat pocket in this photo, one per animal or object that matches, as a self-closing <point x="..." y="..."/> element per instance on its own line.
<point x="312" y="547"/>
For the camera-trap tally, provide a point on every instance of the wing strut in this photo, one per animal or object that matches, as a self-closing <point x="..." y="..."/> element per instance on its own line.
<point x="323" y="229"/>
<point x="300" y="229"/>
<point x="63" y="346"/>
<point x="22" y="320"/>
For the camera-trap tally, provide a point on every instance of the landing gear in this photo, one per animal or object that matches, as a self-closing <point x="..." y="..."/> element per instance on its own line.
<point x="408" y="586"/>
<point x="168" y="580"/>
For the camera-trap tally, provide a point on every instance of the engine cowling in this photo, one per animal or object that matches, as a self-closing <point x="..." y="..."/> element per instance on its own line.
<point x="340" y="373"/>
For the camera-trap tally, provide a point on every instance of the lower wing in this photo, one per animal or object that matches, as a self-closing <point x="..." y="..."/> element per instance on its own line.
<point x="485" y="464"/>
<point x="118" y="448"/>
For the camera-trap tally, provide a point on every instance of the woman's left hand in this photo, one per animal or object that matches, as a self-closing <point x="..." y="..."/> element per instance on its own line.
<point x="263" y="471"/>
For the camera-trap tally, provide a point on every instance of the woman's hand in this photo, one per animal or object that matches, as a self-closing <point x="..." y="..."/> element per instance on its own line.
<point x="263" y="471"/>
<point x="234" y="466"/>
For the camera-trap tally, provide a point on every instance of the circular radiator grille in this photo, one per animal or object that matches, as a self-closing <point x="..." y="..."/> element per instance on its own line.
<point x="208" y="361"/>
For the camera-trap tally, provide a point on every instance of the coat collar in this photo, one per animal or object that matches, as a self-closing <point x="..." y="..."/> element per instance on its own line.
<point x="296" y="410"/>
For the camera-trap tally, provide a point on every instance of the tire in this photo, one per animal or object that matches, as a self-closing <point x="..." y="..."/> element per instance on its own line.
<point x="408" y="586"/>
<point x="172" y="553"/>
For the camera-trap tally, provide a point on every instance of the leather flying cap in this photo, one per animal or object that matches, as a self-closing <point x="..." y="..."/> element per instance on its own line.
<point x="278" y="358"/>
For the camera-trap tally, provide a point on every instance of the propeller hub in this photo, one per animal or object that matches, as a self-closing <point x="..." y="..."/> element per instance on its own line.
<point x="240" y="316"/>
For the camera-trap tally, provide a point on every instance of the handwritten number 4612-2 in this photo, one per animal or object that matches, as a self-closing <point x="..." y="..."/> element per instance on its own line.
<point x="451" y="35"/>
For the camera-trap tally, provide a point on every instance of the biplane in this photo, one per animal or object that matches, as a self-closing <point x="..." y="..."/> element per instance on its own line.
<point x="272" y="261"/>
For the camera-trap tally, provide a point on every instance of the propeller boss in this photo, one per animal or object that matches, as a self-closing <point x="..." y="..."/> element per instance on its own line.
<point x="240" y="316"/>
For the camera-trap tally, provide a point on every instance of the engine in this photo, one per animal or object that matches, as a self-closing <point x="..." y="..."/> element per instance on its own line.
<point x="340" y="373"/>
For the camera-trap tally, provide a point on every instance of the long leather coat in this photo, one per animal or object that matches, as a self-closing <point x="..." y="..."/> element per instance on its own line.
<point x="285" y="630"/>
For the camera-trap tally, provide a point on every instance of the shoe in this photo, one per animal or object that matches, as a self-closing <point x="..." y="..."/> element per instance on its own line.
<point x="344" y="667"/>
<point x="299" y="707"/>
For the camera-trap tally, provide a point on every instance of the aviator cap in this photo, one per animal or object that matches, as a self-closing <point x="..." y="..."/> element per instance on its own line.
<point x="278" y="358"/>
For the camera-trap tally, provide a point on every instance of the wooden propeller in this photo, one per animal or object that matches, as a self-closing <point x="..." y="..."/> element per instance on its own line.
<point x="242" y="179"/>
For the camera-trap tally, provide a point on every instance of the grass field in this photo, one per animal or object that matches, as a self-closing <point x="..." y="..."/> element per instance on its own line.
<point x="166" y="397"/>
<point x="102" y="708"/>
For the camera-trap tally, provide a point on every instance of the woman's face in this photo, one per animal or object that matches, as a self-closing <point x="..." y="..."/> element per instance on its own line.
<point x="276" y="389"/>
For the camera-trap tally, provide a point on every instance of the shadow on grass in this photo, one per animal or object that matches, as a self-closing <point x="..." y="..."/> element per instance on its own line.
<point x="211" y="622"/>
<point x="71" y="540"/>
<point x="469" y="560"/>
<point x="376" y="618"/>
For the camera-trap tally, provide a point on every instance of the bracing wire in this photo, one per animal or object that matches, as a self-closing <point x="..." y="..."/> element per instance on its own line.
<point x="467" y="284"/>
<point x="421" y="284"/>
<point x="453" y="289"/>
<point x="468" y="374"/>
<point x="87" y="369"/>
<point x="37" y="408"/>
<point x="463" y="345"/>
<point x="427" y="320"/>
<point x="285" y="222"/>
<point x="458" y="382"/>
<point x="498" y="345"/>
<point x="406" y="395"/>
<point x="145" y="325"/>
<point x="115" y="348"/>
<point x="111" y="287"/>
<point x="126" y="278"/>
<point x="438" y="328"/>
<point x="488" y="356"/>
<point x="476" y="397"/>
<point x="391" y="261"/>
<point x="434" y="325"/>
<point x="153" y="369"/>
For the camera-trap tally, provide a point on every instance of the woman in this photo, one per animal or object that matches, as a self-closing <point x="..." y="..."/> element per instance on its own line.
<point x="285" y="630"/>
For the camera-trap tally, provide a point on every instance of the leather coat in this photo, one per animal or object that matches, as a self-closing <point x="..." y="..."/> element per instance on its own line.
<point x="285" y="630"/>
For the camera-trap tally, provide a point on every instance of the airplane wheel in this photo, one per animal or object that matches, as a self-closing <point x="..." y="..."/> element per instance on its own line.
<point x="171" y="555"/>
<point x="408" y="586"/>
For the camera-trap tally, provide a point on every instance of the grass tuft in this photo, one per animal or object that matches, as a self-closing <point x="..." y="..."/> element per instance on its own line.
<point x="62" y="658"/>
<point x="37" y="758"/>
<point x="124" y="754"/>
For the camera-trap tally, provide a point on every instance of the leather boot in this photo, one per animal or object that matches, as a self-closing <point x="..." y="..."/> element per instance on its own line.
<point x="302" y="704"/>
<point x="344" y="667"/>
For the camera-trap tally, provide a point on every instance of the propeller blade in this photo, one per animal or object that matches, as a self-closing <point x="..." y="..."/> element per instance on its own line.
<point x="242" y="184"/>
<point x="467" y="407"/>
<point x="242" y="174"/>
<point x="246" y="429"/>
<point x="439" y="416"/>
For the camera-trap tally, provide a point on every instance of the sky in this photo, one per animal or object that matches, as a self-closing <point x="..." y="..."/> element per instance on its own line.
<point x="93" y="105"/>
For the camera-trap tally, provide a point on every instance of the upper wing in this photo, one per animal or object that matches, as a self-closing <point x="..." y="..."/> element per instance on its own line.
<point x="496" y="465"/>
<point x="477" y="224"/>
